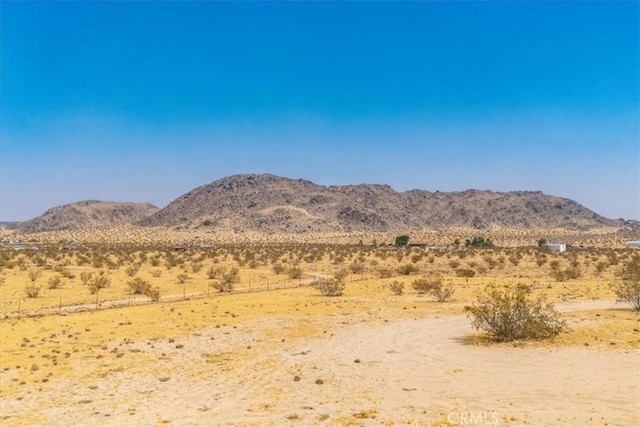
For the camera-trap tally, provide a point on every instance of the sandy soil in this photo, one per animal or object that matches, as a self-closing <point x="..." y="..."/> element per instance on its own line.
<point x="371" y="372"/>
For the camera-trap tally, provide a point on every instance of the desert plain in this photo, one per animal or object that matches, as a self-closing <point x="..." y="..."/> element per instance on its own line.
<point x="275" y="351"/>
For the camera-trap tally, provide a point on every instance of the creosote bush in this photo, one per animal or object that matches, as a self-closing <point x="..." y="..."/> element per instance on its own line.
<point x="95" y="283"/>
<point x="407" y="269"/>
<point x="627" y="287"/>
<point x="54" y="282"/>
<point x="332" y="287"/>
<point x="433" y="284"/>
<point x="32" y="290"/>
<point x="513" y="314"/>
<point x="138" y="286"/>
<point x="396" y="287"/>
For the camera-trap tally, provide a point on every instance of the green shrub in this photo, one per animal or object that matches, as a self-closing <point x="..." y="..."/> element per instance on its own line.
<point x="512" y="314"/>
<point x="402" y="240"/>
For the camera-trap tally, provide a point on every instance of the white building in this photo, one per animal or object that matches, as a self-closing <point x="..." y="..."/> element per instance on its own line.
<point x="633" y="244"/>
<point x="556" y="247"/>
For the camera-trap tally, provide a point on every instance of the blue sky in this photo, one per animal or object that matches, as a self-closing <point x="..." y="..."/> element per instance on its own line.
<point x="143" y="101"/>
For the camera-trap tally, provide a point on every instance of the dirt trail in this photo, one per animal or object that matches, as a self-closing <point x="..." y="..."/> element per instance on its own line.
<point x="407" y="371"/>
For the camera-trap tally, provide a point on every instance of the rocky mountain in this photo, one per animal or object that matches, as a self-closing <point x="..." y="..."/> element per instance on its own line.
<point x="84" y="214"/>
<point x="273" y="204"/>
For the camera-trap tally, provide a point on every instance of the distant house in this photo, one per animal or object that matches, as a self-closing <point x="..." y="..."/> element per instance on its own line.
<point x="633" y="244"/>
<point x="556" y="247"/>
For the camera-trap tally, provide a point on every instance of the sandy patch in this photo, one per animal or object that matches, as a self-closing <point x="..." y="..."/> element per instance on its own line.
<point x="338" y="370"/>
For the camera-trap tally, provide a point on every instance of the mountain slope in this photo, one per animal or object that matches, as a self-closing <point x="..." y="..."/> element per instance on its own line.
<point x="86" y="213"/>
<point x="268" y="203"/>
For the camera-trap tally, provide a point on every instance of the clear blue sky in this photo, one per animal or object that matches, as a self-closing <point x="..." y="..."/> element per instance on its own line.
<point x="143" y="101"/>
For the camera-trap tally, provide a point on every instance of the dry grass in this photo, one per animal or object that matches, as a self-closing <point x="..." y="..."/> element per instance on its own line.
<point x="42" y="350"/>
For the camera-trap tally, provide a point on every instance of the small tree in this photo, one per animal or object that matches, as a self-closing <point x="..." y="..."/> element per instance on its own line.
<point x="542" y="242"/>
<point x="402" y="240"/>
<point x="627" y="287"/>
<point x="512" y="314"/>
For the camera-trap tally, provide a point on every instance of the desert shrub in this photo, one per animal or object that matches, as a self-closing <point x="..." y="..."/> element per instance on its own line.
<point x="138" y="286"/>
<point x="228" y="280"/>
<point x="454" y="263"/>
<point x="32" y="290"/>
<point x="278" y="268"/>
<point x="564" y="274"/>
<point x="541" y="260"/>
<point x="479" y="242"/>
<point x="153" y="293"/>
<point x="402" y="240"/>
<point x="385" y="272"/>
<point x="132" y="270"/>
<point x="396" y="287"/>
<point x="295" y="272"/>
<point x="54" y="282"/>
<point x="182" y="277"/>
<point x="512" y="314"/>
<point x="196" y="267"/>
<point x="407" y="269"/>
<point x="156" y="273"/>
<point x="433" y="284"/>
<point x="601" y="266"/>
<point x="85" y="277"/>
<point x="465" y="272"/>
<point x="627" y="287"/>
<point x="95" y="283"/>
<point x="426" y="283"/>
<point x="34" y="274"/>
<point x="441" y="292"/>
<point x="357" y="268"/>
<point x="215" y="272"/>
<point x="332" y="287"/>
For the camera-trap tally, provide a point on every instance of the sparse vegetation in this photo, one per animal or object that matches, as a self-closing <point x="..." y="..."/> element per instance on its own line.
<point x="479" y="242"/>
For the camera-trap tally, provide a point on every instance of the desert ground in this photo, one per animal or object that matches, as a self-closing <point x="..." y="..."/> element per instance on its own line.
<point x="274" y="351"/>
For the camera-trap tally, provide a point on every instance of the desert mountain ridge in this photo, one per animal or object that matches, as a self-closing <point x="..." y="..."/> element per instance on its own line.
<point x="266" y="203"/>
<point x="86" y="213"/>
<point x="273" y="204"/>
